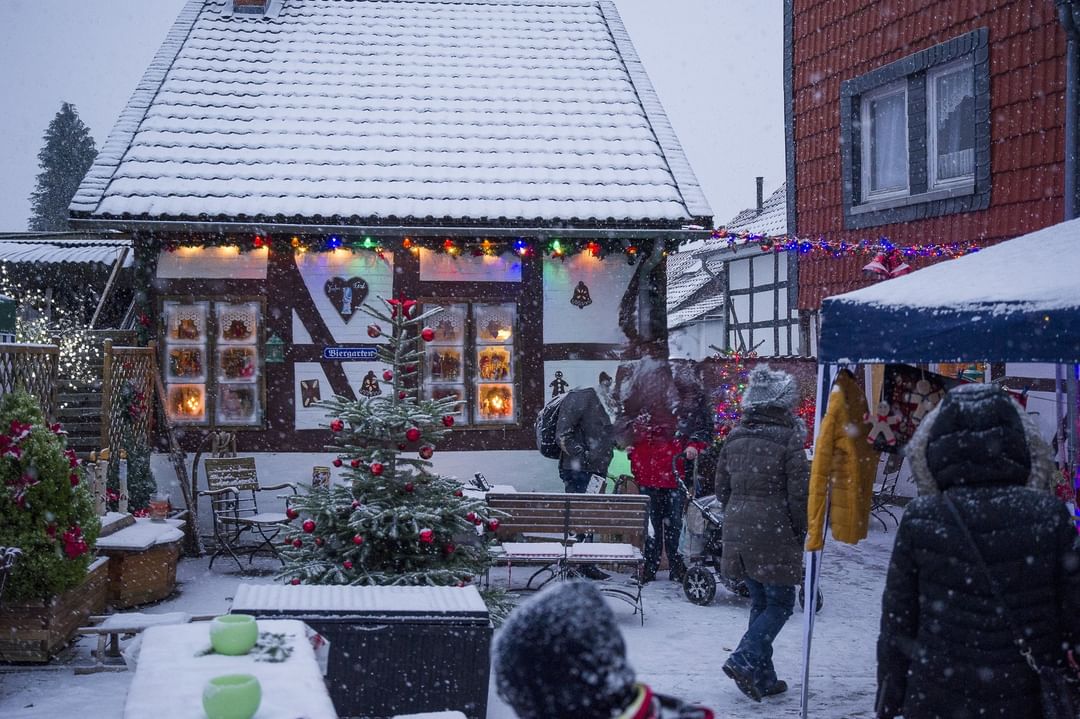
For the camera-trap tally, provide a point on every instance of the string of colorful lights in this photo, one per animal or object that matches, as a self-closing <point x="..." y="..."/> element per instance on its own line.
<point x="843" y="248"/>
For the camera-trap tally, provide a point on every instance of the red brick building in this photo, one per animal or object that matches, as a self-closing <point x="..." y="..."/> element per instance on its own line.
<point x="924" y="122"/>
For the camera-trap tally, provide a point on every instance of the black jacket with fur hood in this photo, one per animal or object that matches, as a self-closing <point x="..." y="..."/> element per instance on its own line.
<point x="945" y="650"/>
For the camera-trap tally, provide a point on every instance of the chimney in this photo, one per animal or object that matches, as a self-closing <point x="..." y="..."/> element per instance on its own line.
<point x="760" y="194"/>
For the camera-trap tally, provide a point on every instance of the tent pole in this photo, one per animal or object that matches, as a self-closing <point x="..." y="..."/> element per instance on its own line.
<point x="812" y="570"/>
<point x="1070" y="413"/>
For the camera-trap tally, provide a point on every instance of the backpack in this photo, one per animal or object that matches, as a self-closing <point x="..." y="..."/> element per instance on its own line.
<point x="547" y="422"/>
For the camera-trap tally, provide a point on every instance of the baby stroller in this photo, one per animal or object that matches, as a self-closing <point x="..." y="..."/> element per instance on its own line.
<point x="702" y="545"/>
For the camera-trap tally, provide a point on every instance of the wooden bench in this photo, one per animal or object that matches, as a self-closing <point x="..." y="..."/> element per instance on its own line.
<point x="621" y="518"/>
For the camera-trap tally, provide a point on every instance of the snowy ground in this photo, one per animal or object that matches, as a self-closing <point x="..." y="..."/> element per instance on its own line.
<point x="679" y="650"/>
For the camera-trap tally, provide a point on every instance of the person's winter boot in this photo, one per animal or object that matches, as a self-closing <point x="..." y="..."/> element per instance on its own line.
<point x="743" y="676"/>
<point x="591" y="571"/>
<point x="777" y="687"/>
<point x="649" y="575"/>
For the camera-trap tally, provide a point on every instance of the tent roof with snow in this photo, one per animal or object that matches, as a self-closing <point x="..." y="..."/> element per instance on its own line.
<point x="452" y="113"/>
<point x="1018" y="301"/>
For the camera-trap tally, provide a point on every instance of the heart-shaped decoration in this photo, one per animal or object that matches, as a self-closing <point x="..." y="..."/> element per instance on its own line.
<point x="346" y="295"/>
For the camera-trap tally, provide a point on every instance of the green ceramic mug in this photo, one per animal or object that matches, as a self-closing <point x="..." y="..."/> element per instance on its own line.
<point x="232" y="696"/>
<point x="233" y="634"/>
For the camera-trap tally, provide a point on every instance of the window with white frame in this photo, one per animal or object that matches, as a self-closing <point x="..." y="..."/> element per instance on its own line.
<point x="950" y="106"/>
<point x="916" y="135"/>
<point x="885" y="141"/>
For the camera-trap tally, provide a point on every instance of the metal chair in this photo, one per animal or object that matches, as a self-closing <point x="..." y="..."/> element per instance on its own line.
<point x="8" y="555"/>
<point x="233" y="488"/>
<point x="884" y="493"/>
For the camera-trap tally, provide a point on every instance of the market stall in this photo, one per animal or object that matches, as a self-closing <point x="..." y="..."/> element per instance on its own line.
<point x="1015" y="302"/>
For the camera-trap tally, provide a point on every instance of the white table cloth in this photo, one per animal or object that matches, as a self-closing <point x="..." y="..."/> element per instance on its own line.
<point x="173" y="669"/>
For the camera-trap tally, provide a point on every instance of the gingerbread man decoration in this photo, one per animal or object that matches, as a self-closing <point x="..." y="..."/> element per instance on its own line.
<point x="883" y="421"/>
<point x="924" y="397"/>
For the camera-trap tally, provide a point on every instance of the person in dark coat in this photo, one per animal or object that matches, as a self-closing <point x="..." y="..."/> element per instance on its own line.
<point x="664" y="415"/>
<point x="945" y="650"/>
<point x="560" y="655"/>
<point x="762" y="480"/>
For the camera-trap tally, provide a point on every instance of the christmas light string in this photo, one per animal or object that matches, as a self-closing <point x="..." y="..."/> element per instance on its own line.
<point x="843" y="248"/>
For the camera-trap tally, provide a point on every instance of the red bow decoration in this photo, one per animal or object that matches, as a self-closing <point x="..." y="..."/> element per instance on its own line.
<point x="405" y="305"/>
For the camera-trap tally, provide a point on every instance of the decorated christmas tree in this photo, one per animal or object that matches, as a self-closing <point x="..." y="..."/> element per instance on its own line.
<point x="731" y="384"/>
<point x="394" y="520"/>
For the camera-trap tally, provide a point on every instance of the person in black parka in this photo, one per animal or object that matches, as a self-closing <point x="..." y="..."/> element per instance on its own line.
<point x="945" y="651"/>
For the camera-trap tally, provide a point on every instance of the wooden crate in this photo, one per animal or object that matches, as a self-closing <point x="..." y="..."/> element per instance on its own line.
<point x="141" y="576"/>
<point x="35" y="630"/>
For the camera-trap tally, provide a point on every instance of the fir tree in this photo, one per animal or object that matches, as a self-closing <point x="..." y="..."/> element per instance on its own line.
<point x="66" y="157"/>
<point x="396" y="522"/>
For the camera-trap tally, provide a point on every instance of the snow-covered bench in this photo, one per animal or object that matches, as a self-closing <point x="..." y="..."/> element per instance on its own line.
<point x="622" y="518"/>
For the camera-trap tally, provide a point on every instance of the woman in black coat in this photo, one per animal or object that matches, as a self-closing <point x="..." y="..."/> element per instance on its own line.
<point x="945" y="649"/>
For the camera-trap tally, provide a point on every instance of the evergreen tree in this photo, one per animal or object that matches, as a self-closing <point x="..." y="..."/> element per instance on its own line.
<point x="66" y="157"/>
<point x="396" y="521"/>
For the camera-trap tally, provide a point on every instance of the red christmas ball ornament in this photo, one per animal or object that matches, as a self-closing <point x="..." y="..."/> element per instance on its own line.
<point x="373" y="331"/>
<point x="336" y="425"/>
<point x="388" y="376"/>
<point x="427" y="536"/>
<point x="309" y="526"/>
<point x="448" y="421"/>
<point x="402" y="394"/>
<point x="402" y="446"/>
<point x="355" y="464"/>
<point x="291" y="513"/>
<point x="410" y="368"/>
<point x="347" y="564"/>
<point x="412" y="434"/>
<point x="409" y="486"/>
<point x="356" y="504"/>
<point x="458" y="493"/>
<point x="357" y="540"/>
<point x="449" y="548"/>
<point x="319" y="541"/>
<point x="427" y="334"/>
<point x="471" y="516"/>
<point x="337" y="462"/>
<point x="376" y="468"/>
<point x="294" y="581"/>
<point x="426" y="451"/>
<point x="493" y="524"/>
<point x="298" y="542"/>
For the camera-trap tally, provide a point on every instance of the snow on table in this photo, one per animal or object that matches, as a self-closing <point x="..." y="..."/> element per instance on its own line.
<point x="142" y="535"/>
<point x="540" y="551"/>
<point x="251" y="597"/>
<point x="172" y="671"/>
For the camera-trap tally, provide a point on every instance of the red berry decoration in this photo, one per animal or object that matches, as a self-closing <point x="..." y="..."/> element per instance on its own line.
<point x="347" y="564"/>
<point x="309" y="526"/>
<point x="355" y="464"/>
<point x="319" y="541"/>
<point x="493" y="524"/>
<point x="376" y="468"/>
<point x="471" y="516"/>
<point x="426" y="451"/>
<point x="337" y="425"/>
<point x="373" y="331"/>
<point x="412" y="434"/>
<point x="298" y="542"/>
<point x="427" y="536"/>
<point x="291" y="513"/>
<point x="338" y="462"/>
<point x="388" y="376"/>
<point x="357" y="540"/>
<point x="427" y="334"/>
<point x="409" y="486"/>
<point x="294" y="581"/>
<point x="448" y="421"/>
<point x="402" y="446"/>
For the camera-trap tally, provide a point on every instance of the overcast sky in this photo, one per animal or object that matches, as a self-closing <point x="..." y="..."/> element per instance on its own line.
<point x="717" y="65"/>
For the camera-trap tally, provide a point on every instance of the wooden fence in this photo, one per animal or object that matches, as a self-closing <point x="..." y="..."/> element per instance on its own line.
<point x="32" y="368"/>
<point x="127" y="397"/>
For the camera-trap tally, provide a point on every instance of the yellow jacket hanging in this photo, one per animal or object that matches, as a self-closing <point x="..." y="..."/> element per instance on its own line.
<point x="844" y="466"/>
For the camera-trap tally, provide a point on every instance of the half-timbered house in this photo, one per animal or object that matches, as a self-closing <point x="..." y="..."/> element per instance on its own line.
<point x="283" y="162"/>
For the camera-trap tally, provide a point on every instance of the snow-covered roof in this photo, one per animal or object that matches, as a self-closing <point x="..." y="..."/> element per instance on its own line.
<point x="49" y="248"/>
<point x="771" y="221"/>
<point x="1018" y="301"/>
<point x="693" y="293"/>
<point x="435" y="112"/>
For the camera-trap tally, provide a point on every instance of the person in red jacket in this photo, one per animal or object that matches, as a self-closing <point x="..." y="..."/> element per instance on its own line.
<point x="665" y="414"/>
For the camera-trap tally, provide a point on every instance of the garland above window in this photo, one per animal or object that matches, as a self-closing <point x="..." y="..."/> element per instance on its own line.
<point x="822" y="247"/>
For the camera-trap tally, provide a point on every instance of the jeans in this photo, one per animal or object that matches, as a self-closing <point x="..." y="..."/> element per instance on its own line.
<point x="665" y="514"/>
<point x="771" y="605"/>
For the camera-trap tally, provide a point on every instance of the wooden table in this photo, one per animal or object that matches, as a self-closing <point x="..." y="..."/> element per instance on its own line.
<point x="172" y="670"/>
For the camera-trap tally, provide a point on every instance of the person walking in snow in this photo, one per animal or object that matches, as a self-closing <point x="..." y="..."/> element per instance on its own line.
<point x="560" y="655"/>
<point x="665" y="414"/>
<point x="982" y="562"/>
<point x="585" y="436"/>
<point x="761" y="480"/>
